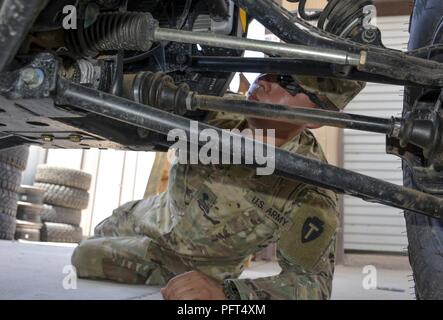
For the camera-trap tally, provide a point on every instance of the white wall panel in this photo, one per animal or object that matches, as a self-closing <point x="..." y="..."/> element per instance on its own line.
<point x="371" y="226"/>
<point x="108" y="185"/>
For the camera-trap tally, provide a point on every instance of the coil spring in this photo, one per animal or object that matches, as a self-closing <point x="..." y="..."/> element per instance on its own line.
<point x="113" y="31"/>
<point x="339" y="14"/>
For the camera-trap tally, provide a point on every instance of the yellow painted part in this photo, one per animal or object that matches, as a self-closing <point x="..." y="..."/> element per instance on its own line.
<point x="243" y="19"/>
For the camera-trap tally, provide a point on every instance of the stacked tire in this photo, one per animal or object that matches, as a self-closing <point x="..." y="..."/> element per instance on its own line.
<point x="29" y="210"/>
<point x="66" y="190"/>
<point x="12" y="163"/>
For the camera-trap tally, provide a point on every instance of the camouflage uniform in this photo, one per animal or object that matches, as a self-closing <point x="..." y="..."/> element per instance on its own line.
<point x="211" y="219"/>
<point x="337" y="92"/>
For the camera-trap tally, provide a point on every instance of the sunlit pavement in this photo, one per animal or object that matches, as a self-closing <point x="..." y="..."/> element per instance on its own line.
<point x="41" y="271"/>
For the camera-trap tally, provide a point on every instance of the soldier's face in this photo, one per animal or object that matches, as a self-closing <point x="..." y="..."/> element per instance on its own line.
<point x="268" y="91"/>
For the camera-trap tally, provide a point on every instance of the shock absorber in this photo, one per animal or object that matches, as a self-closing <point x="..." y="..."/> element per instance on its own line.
<point x="113" y="31"/>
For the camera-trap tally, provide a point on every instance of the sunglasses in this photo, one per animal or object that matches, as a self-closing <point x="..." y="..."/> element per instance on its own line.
<point x="292" y="87"/>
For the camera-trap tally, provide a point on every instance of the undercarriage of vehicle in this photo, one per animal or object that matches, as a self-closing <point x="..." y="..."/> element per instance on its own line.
<point x="122" y="74"/>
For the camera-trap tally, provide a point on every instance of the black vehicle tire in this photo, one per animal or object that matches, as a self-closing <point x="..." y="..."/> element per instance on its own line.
<point x="31" y="194"/>
<point x="425" y="234"/>
<point x="48" y="211"/>
<point x="16" y="157"/>
<point x="62" y="215"/>
<point x="29" y="212"/>
<point x="64" y="196"/>
<point x="58" y="232"/>
<point x="27" y="231"/>
<point x="65" y="177"/>
<point x="10" y="177"/>
<point x="8" y="202"/>
<point x="7" y="227"/>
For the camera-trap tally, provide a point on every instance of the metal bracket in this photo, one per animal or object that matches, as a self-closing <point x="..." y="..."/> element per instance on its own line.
<point x="36" y="80"/>
<point x="421" y="136"/>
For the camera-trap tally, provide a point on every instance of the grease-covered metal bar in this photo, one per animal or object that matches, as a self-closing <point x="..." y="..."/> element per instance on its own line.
<point x="271" y="48"/>
<point x="296" y="114"/>
<point x="279" y="65"/>
<point x="288" y="165"/>
<point x="379" y="61"/>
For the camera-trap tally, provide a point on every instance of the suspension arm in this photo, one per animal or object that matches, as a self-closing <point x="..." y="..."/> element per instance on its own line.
<point x="384" y="63"/>
<point x="389" y="127"/>
<point x="271" y="48"/>
<point x="303" y="43"/>
<point x="288" y="165"/>
<point x="418" y="129"/>
<point x="380" y="61"/>
<point x="281" y="65"/>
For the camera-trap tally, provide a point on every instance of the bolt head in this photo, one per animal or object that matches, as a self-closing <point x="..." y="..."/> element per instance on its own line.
<point x="75" y="138"/>
<point x="47" y="137"/>
<point x="33" y="77"/>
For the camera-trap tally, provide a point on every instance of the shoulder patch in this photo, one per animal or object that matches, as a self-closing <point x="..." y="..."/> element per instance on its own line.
<point x="312" y="229"/>
<point x="315" y="226"/>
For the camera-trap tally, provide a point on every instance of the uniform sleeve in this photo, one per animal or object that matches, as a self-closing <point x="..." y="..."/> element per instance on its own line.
<point x="306" y="255"/>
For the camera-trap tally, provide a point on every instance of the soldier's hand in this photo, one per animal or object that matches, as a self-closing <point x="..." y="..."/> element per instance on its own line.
<point x="192" y="285"/>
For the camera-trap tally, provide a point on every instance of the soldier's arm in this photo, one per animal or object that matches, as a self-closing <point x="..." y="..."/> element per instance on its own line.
<point x="306" y="253"/>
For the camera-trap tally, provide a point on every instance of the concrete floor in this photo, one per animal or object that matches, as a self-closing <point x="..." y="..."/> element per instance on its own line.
<point x="35" y="271"/>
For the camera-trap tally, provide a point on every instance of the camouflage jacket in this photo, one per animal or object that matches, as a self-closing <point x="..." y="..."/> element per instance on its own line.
<point x="212" y="218"/>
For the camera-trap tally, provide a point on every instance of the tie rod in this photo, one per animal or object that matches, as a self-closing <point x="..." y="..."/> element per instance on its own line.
<point x="159" y="90"/>
<point x="288" y="165"/>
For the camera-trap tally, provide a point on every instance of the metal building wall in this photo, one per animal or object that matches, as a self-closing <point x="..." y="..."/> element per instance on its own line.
<point x="369" y="226"/>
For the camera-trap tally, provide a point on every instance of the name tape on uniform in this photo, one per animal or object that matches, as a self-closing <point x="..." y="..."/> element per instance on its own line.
<point x="270" y="212"/>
